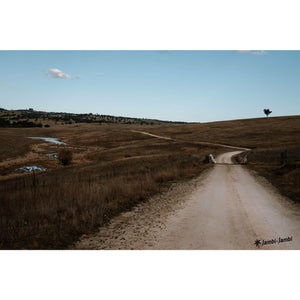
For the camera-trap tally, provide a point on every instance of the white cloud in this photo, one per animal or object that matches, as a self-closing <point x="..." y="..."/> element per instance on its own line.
<point x="56" y="73"/>
<point x="252" y="52"/>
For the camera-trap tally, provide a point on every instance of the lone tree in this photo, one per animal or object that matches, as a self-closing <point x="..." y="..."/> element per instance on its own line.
<point x="267" y="112"/>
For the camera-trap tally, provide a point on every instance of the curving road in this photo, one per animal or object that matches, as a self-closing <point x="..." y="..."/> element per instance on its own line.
<point x="231" y="210"/>
<point x="198" y="143"/>
<point x="224" y="208"/>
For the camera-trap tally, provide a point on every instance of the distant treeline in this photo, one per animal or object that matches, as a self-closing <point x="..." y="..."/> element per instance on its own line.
<point x="6" y="123"/>
<point x="19" y="115"/>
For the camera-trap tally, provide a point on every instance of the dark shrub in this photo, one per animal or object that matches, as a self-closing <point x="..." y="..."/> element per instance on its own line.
<point x="206" y="159"/>
<point x="65" y="156"/>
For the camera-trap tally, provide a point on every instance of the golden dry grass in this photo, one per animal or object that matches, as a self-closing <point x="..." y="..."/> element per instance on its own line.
<point x="50" y="210"/>
<point x="115" y="168"/>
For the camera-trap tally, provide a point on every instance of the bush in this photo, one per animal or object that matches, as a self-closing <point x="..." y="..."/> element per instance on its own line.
<point x="65" y="156"/>
<point x="206" y="159"/>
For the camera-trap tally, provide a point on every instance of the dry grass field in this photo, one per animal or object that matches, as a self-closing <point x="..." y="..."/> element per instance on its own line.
<point x="267" y="138"/>
<point x="114" y="167"/>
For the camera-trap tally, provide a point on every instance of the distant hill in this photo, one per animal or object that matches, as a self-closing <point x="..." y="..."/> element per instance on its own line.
<point x="32" y="118"/>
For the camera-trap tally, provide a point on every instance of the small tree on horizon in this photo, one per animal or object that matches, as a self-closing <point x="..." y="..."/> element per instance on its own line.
<point x="267" y="112"/>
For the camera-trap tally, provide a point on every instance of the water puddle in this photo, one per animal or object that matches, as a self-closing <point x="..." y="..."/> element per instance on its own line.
<point x="30" y="169"/>
<point x="48" y="139"/>
<point x="58" y="142"/>
<point x="52" y="155"/>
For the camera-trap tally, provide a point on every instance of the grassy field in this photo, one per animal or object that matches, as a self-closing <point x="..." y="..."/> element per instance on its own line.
<point x="114" y="168"/>
<point x="249" y="133"/>
<point x="267" y="138"/>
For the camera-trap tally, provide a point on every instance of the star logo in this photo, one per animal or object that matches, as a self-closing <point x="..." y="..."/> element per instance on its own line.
<point x="257" y="243"/>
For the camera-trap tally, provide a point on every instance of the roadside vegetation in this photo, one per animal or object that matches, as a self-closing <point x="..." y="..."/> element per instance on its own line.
<point x="280" y="165"/>
<point x="51" y="210"/>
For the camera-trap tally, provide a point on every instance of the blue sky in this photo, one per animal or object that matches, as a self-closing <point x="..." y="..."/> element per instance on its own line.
<point x="198" y="86"/>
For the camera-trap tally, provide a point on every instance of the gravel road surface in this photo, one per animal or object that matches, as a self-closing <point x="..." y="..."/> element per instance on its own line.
<point x="226" y="207"/>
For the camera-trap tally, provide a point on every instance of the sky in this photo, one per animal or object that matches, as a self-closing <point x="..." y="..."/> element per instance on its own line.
<point x="191" y="86"/>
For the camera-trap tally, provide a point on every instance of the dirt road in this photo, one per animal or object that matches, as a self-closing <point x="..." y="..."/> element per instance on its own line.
<point x="224" y="208"/>
<point x="194" y="142"/>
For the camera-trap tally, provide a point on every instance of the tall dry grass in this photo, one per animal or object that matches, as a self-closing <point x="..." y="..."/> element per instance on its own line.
<point x="285" y="175"/>
<point x="51" y="211"/>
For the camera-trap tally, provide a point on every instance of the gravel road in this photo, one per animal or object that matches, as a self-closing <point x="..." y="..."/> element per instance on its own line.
<point x="226" y="207"/>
